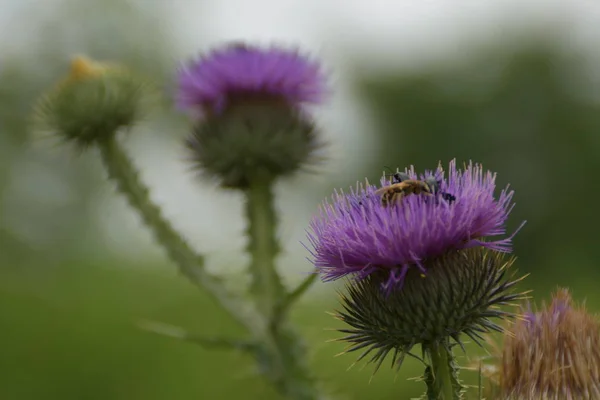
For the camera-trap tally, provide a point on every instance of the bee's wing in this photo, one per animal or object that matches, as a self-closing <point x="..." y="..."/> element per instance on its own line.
<point x="396" y="187"/>
<point x="401" y="176"/>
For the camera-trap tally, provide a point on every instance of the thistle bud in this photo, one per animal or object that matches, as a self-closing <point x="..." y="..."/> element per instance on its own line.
<point x="552" y="354"/>
<point x="92" y="103"/>
<point x="250" y="112"/>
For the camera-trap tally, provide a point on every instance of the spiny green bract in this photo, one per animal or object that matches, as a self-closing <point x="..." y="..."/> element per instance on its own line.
<point x="92" y="103"/>
<point x="253" y="137"/>
<point x="460" y="295"/>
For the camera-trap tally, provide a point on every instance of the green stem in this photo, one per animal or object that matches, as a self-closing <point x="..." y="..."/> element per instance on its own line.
<point x="443" y="384"/>
<point x="286" y="302"/>
<point x="266" y="286"/>
<point x="290" y="371"/>
<point x="284" y="359"/>
<point x="204" y="341"/>
<point x="123" y="173"/>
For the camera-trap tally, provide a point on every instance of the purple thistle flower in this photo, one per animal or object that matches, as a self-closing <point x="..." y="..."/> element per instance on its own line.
<point x="355" y="234"/>
<point x="249" y="105"/>
<point x="210" y="83"/>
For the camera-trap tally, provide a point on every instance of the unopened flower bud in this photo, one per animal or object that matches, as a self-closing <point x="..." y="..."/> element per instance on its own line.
<point x="92" y="103"/>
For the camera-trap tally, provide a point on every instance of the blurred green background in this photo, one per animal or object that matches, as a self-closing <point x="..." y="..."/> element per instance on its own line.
<point x="70" y="297"/>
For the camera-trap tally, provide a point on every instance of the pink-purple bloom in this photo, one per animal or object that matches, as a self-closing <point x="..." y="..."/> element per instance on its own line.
<point x="355" y="234"/>
<point x="209" y="83"/>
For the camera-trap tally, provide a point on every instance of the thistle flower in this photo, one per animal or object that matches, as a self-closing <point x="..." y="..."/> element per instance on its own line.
<point x="552" y="354"/>
<point x="240" y="71"/>
<point x="93" y="102"/>
<point x="427" y="270"/>
<point x="355" y="235"/>
<point x="250" y="107"/>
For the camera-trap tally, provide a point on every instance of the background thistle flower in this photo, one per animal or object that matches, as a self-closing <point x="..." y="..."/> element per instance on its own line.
<point x="228" y="74"/>
<point x="552" y="354"/>
<point x="92" y="103"/>
<point x="250" y="107"/>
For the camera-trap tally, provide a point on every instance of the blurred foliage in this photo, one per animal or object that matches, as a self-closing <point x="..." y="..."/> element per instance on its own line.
<point x="72" y="334"/>
<point x="46" y="196"/>
<point x="524" y="112"/>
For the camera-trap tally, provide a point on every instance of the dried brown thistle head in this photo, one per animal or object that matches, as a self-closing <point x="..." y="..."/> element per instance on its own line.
<point x="552" y="354"/>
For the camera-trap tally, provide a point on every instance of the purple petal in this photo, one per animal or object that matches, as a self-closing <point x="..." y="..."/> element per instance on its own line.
<point x="209" y="82"/>
<point x="355" y="234"/>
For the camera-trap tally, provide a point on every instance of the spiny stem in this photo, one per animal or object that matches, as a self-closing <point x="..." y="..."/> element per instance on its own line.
<point x="266" y="286"/>
<point x="289" y="299"/>
<point x="443" y="383"/>
<point x="123" y="173"/>
<point x="285" y="355"/>
<point x="290" y="371"/>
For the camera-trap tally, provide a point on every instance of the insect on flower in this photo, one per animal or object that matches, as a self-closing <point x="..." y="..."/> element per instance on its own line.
<point x="386" y="252"/>
<point x="402" y="186"/>
<point x="354" y="234"/>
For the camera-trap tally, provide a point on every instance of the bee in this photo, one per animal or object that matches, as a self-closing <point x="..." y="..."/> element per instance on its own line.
<point x="402" y="186"/>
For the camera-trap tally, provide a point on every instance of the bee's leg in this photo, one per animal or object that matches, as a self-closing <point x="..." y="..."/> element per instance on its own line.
<point x="448" y="197"/>
<point x="385" y="200"/>
<point x="398" y="198"/>
<point x="428" y="195"/>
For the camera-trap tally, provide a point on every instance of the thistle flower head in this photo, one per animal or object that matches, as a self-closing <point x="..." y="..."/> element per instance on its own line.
<point x="92" y="102"/>
<point x="552" y="354"/>
<point x="355" y="234"/>
<point x="250" y="101"/>
<point x="240" y="71"/>
<point x="433" y="253"/>
<point x="461" y="294"/>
